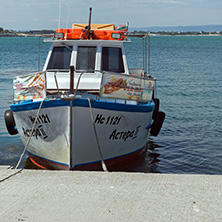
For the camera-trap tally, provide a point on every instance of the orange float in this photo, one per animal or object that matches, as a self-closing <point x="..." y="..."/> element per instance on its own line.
<point x="97" y="34"/>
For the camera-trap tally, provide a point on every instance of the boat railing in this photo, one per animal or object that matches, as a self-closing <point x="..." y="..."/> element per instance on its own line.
<point x="72" y="93"/>
<point x="111" y="85"/>
<point x="115" y="85"/>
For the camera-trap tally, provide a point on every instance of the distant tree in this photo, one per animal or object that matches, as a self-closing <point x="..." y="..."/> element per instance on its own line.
<point x="1" y="29"/>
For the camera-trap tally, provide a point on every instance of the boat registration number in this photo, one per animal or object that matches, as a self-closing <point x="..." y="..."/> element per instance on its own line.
<point x="110" y="120"/>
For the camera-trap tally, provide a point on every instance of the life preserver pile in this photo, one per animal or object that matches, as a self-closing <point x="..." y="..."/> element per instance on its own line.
<point x="76" y="34"/>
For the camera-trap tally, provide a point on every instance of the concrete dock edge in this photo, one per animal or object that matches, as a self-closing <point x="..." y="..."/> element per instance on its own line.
<point x="39" y="195"/>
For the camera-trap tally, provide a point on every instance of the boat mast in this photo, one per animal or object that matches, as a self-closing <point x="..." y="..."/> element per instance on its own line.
<point x="70" y="115"/>
<point x="89" y="25"/>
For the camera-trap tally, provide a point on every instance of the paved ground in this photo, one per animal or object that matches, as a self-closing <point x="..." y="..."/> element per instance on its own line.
<point x="37" y="195"/>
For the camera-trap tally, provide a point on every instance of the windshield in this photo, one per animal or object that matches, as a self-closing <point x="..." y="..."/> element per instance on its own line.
<point x="60" y="58"/>
<point x="112" y="59"/>
<point x="86" y="56"/>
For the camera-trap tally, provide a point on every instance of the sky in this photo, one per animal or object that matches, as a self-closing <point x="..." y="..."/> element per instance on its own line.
<point x="44" y="14"/>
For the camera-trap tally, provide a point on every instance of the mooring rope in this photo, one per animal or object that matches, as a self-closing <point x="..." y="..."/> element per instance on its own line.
<point x="97" y="140"/>
<point x="27" y="143"/>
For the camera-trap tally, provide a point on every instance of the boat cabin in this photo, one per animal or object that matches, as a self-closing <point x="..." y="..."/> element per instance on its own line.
<point x="100" y="67"/>
<point x="88" y="57"/>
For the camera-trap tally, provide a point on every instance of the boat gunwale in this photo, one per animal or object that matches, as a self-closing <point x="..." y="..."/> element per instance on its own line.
<point x="82" y="102"/>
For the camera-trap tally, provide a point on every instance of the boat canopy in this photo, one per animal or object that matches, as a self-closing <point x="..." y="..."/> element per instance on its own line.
<point x="94" y="26"/>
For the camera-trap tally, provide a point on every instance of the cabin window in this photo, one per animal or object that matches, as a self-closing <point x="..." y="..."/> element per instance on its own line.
<point x="86" y="56"/>
<point x="112" y="59"/>
<point x="60" y="58"/>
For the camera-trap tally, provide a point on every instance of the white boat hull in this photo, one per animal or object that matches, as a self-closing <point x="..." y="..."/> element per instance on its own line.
<point x="121" y="131"/>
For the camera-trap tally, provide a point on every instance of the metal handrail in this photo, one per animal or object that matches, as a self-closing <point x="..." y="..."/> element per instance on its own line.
<point x="71" y="96"/>
<point x="56" y="71"/>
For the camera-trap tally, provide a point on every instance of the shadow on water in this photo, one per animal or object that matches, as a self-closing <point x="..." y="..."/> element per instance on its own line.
<point x="147" y="162"/>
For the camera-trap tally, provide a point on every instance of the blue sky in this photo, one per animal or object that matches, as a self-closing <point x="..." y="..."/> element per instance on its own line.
<point x="43" y="14"/>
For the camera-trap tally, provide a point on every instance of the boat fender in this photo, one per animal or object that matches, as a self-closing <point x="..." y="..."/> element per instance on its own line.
<point x="10" y="122"/>
<point x="156" y="108"/>
<point x="157" y="123"/>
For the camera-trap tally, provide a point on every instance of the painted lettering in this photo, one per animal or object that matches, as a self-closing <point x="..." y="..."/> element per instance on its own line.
<point x="136" y="132"/>
<point x="110" y="120"/>
<point x="112" y="135"/>
<point x="99" y="119"/>
<point x="39" y="132"/>
<point x="124" y="135"/>
<point x="42" y="119"/>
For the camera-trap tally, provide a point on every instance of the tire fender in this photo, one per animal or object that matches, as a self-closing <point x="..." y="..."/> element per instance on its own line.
<point x="157" y="123"/>
<point x="156" y="108"/>
<point x="10" y="122"/>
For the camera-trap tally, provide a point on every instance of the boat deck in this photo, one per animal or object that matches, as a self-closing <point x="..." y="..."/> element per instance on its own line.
<point x="39" y="195"/>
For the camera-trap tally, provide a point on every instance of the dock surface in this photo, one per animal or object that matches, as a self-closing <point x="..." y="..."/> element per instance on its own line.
<point x="39" y="195"/>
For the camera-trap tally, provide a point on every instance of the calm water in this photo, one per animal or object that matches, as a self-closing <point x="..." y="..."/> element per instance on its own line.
<point x="189" y="79"/>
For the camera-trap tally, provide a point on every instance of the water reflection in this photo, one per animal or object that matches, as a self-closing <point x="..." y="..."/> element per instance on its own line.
<point x="147" y="162"/>
<point x="10" y="151"/>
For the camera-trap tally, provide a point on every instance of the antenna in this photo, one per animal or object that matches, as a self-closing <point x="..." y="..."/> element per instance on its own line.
<point x="59" y="19"/>
<point x="67" y="21"/>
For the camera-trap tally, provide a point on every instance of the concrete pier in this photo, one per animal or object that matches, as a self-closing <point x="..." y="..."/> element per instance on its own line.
<point x="38" y="195"/>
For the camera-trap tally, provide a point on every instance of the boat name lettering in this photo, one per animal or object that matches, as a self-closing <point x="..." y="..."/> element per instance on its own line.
<point x="44" y="118"/>
<point x="110" y="120"/>
<point x="39" y="132"/>
<point x="115" y="135"/>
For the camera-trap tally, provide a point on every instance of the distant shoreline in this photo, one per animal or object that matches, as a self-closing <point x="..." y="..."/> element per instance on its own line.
<point x="161" y="33"/>
<point x="130" y="34"/>
<point x="27" y="35"/>
<point x="195" y="30"/>
<point x="133" y="35"/>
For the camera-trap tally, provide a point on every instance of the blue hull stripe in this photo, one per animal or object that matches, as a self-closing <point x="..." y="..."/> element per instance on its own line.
<point x="35" y="105"/>
<point x="84" y="103"/>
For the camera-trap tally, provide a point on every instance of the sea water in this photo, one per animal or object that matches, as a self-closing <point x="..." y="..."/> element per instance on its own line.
<point x="189" y="85"/>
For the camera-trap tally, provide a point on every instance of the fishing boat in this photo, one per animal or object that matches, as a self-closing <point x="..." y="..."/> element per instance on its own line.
<point x="86" y="109"/>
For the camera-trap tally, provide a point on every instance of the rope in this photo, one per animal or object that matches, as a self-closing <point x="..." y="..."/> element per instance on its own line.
<point x="77" y="86"/>
<point x="97" y="140"/>
<point x="26" y="146"/>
